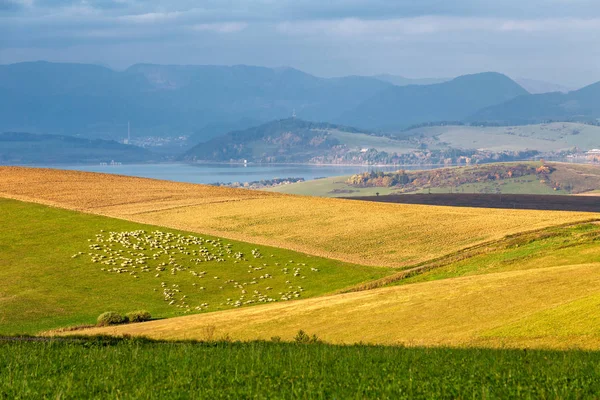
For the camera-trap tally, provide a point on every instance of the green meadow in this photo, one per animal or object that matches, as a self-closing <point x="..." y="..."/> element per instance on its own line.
<point x="557" y="246"/>
<point x="61" y="268"/>
<point x="141" y="369"/>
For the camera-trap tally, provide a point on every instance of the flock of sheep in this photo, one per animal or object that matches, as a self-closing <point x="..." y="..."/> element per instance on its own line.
<point x="165" y="256"/>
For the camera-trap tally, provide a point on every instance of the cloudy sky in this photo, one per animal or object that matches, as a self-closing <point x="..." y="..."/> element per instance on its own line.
<point x="553" y="40"/>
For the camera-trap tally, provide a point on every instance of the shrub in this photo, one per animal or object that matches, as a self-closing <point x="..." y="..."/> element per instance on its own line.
<point x="139" y="316"/>
<point x="275" y="339"/>
<point x="303" y="338"/>
<point x="111" y="318"/>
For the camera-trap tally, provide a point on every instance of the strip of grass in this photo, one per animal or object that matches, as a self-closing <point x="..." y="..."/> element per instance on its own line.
<point x="557" y="246"/>
<point x="153" y="370"/>
<point x="45" y="287"/>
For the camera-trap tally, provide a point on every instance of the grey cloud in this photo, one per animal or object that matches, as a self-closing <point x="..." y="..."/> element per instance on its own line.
<point x="533" y="38"/>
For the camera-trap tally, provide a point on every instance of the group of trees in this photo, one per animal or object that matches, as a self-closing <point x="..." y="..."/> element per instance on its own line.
<point x="449" y="177"/>
<point x="380" y="179"/>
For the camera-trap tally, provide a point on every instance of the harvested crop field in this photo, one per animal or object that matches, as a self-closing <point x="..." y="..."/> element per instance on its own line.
<point x="548" y="307"/>
<point x="365" y="233"/>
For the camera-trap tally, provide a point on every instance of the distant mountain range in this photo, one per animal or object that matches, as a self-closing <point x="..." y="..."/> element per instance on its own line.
<point x="161" y="100"/>
<point x="578" y="105"/>
<point x="203" y="102"/>
<point x="398" y="107"/>
<point x="533" y="86"/>
<point x="29" y="148"/>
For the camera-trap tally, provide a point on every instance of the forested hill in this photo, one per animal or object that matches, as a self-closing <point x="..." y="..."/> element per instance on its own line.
<point x="286" y="140"/>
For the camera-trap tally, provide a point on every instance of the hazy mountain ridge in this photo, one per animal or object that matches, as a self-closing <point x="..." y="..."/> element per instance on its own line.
<point x="577" y="105"/>
<point x="401" y="106"/>
<point x="206" y="101"/>
<point x="158" y="100"/>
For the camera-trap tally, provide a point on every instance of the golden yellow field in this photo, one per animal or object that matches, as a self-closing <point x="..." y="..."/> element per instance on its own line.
<point x="549" y="307"/>
<point x="360" y="232"/>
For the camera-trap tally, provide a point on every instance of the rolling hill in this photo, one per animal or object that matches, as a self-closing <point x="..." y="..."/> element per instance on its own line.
<point x="293" y="140"/>
<point x="530" y="290"/>
<point x="505" y="178"/>
<point x="400" y="107"/>
<point x="61" y="268"/>
<point x="31" y="148"/>
<point x="465" y="277"/>
<point x="544" y="137"/>
<point x="358" y="232"/>
<point x="578" y="105"/>
<point x="543" y="307"/>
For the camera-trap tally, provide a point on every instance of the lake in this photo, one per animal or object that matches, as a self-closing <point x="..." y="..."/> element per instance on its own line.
<point x="213" y="173"/>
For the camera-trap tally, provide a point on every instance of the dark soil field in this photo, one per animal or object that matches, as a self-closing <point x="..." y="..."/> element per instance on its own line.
<point x="513" y="201"/>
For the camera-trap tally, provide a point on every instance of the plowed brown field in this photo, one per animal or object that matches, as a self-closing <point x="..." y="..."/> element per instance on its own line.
<point x="360" y="232"/>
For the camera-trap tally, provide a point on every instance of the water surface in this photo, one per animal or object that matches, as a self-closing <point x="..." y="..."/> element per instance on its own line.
<point x="213" y="173"/>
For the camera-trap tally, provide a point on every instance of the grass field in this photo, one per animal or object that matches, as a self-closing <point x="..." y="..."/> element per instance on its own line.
<point x="559" y="246"/>
<point x="505" y="309"/>
<point x="359" y="232"/>
<point x="154" y="370"/>
<point x="357" y="141"/>
<point x="554" y="136"/>
<point x="47" y="283"/>
<point x="337" y="187"/>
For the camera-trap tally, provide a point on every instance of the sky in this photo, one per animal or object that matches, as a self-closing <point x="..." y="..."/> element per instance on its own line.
<point x="551" y="40"/>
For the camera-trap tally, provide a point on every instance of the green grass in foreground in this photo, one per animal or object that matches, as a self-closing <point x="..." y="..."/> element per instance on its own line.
<point x="48" y="284"/>
<point x="556" y="246"/>
<point x="153" y="370"/>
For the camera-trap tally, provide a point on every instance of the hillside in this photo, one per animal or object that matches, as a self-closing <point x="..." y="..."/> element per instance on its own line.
<point x="400" y="107"/>
<point x="577" y="105"/>
<point x="358" y="232"/>
<point x="530" y="290"/>
<point x="505" y="285"/>
<point x="545" y="307"/>
<point x="514" y="178"/>
<point x="295" y="140"/>
<point x="30" y="148"/>
<point x="101" y="264"/>
<point x="544" y="137"/>
<point x="165" y="100"/>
